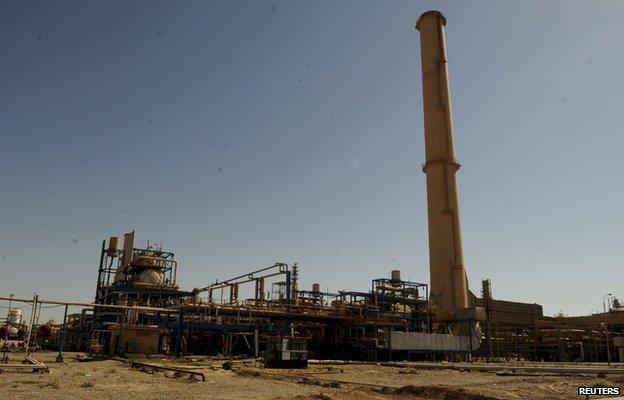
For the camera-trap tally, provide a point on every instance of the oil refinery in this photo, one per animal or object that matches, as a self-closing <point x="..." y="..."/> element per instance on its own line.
<point x="139" y="308"/>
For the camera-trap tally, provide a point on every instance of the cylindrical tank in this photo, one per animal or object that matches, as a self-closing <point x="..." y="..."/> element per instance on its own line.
<point x="9" y="331"/>
<point x="150" y="277"/>
<point x="449" y="287"/>
<point x="316" y="287"/>
<point x="14" y="316"/>
<point x="486" y="289"/>
<point x="113" y="246"/>
<point x="395" y="275"/>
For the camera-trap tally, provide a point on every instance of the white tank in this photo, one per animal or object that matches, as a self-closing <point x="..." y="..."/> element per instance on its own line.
<point x="150" y="277"/>
<point x="12" y="331"/>
<point x="14" y="316"/>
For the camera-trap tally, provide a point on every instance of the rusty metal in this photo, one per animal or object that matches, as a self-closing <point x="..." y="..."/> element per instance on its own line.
<point x="141" y="364"/>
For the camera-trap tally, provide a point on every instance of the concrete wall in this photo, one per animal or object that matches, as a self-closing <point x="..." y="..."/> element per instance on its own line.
<point x="136" y="339"/>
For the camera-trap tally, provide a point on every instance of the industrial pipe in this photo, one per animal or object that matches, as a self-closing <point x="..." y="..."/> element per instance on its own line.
<point x="90" y="305"/>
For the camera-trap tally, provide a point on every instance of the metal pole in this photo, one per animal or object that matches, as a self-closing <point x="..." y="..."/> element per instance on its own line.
<point x="59" y="358"/>
<point x="119" y="347"/>
<point x="178" y="334"/>
<point x="288" y="288"/>
<point x="30" y="324"/>
<point x="36" y="323"/>
<point x="608" y="347"/>
<point x="100" y="271"/>
<point x="6" y="333"/>
<point x="256" y="342"/>
<point x="470" y="337"/>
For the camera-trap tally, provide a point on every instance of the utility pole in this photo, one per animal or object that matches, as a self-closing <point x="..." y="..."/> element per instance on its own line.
<point x="59" y="358"/>
<point x="33" y="315"/>
<point x="6" y="332"/>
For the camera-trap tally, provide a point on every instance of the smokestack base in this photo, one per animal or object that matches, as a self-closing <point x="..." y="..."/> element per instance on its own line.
<point x="431" y="13"/>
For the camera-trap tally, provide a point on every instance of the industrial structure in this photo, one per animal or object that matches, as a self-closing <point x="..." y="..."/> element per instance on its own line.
<point x="138" y="306"/>
<point x="449" y="284"/>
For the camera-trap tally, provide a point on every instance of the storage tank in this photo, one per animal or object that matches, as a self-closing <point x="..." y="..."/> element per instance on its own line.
<point x="14" y="316"/>
<point x="395" y="275"/>
<point x="9" y="331"/>
<point x="150" y="277"/>
<point x="316" y="287"/>
<point x="113" y="246"/>
<point x="486" y="289"/>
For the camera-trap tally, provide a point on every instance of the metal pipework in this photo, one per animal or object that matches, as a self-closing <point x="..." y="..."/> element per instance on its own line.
<point x="449" y="288"/>
<point x="89" y="305"/>
<point x="161" y="262"/>
<point x="249" y="277"/>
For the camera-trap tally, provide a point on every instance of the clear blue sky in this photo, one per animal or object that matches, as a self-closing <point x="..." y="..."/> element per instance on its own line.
<point x="244" y="133"/>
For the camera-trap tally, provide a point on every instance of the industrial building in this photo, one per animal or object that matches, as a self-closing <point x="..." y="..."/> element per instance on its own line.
<point x="139" y="307"/>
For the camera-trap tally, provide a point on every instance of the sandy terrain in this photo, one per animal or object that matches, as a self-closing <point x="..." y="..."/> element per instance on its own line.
<point x="111" y="379"/>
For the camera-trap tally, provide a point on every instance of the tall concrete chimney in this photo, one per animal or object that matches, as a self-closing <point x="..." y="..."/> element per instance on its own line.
<point x="449" y="287"/>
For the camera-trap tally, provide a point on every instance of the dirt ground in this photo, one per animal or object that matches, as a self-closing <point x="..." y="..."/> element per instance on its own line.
<point x="110" y="379"/>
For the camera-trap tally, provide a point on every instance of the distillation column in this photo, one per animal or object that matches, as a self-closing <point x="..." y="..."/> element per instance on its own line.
<point x="449" y="287"/>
